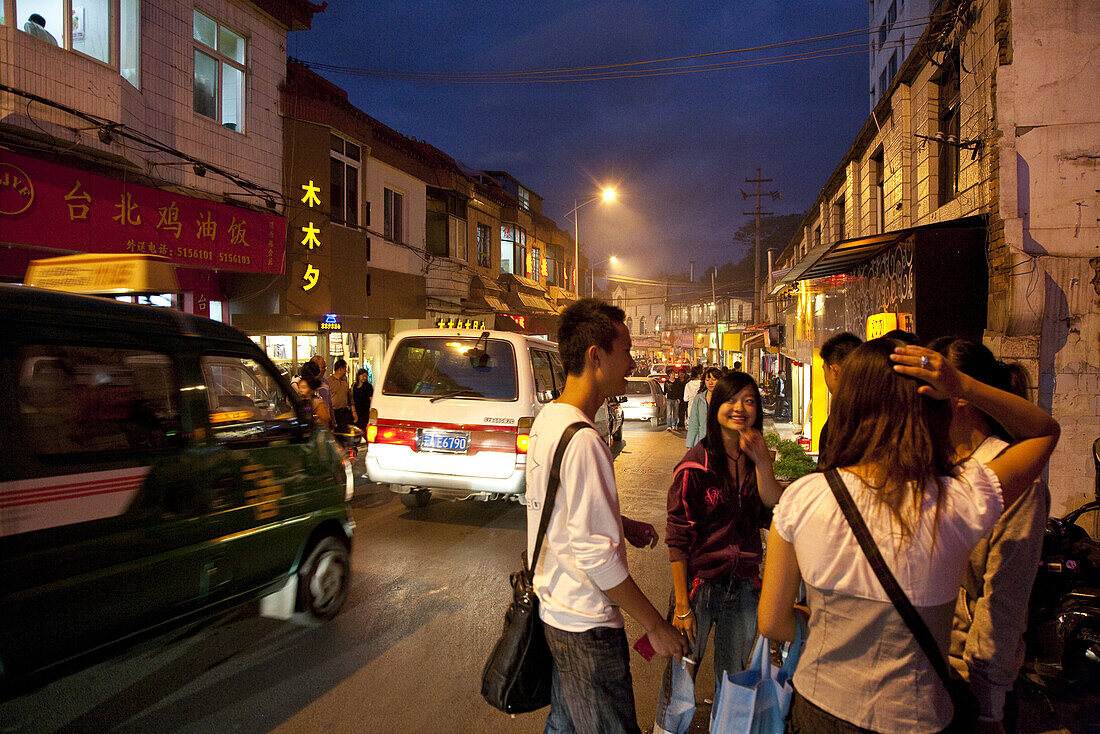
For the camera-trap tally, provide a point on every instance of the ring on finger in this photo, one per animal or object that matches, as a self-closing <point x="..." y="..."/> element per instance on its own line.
<point x="924" y="362"/>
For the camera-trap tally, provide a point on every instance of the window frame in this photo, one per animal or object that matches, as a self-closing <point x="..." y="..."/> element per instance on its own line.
<point x="346" y="162"/>
<point x="114" y="36"/>
<point x="393" y="217"/>
<point x="948" y="124"/>
<point x="198" y="46"/>
<point x="484" y="246"/>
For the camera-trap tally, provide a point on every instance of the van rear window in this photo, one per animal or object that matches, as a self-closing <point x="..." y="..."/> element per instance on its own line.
<point x="638" y="387"/>
<point x="469" y="367"/>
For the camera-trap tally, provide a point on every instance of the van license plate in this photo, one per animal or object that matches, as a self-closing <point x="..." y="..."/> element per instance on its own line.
<point x="444" y="442"/>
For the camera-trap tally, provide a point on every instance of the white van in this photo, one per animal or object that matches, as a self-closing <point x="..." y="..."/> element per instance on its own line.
<point x="453" y="410"/>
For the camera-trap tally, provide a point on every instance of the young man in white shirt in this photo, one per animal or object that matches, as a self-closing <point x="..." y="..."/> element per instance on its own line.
<point x="582" y="579"/>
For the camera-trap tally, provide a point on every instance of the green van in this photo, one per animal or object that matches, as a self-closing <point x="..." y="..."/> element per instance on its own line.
<point x="155" y="467"/>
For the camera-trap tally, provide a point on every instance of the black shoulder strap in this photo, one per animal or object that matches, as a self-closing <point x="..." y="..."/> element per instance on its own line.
<point x="901" y="602"/>
<point x="552" y="488"/>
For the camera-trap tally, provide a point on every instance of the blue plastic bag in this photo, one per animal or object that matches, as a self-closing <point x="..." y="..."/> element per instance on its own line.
<point x="680" y="709"/>
<point x="756" y="700"/>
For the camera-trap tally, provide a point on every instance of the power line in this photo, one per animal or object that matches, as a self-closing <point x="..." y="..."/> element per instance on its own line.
<point x="626" y="70"/>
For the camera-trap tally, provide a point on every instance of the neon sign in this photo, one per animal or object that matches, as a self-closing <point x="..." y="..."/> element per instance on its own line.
<point x="310" y="240"/>
<point x="453" y="323"/>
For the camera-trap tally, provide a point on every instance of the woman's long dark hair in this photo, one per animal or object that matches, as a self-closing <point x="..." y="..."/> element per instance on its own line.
<point x="724" y="391"/>
<point x="878" y="418"/>
<point x="974" y="359"/>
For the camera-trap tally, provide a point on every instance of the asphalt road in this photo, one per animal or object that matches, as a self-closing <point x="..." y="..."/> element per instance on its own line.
<point x="405" y="653"/>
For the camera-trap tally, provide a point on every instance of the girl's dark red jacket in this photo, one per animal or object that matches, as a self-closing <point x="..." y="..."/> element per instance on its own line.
<point x="715" y="530"/>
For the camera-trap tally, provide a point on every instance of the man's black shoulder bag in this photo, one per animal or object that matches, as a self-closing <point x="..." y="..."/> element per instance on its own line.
<point x="516" y="678"/>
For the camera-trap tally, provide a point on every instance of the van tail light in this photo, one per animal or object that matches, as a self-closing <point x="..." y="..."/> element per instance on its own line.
<point x="523" y="435"/>
<point x="372" y="426"/>
<point x="649" y="404"/>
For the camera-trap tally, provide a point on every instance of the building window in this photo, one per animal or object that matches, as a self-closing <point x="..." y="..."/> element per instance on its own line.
<point x="878" y="197"/>
<point x="817" y="236"/>
<point x="484" y="257"/>
<point x="949" y="128"/>
<point x="344" y="164"/>
<point x="839" y="224"/>
<point x="657" y="324"/>
<point x="524" y="197"/>
<point x="219" y="72"/>
<point x="457" y="232"/>
<point x="641" y="325"/>
<point x="513" y="250"/>
<point x="629" y="324"/>
<point x="553" y="266"/>
<point x="91" y="29"/>
<point x="394" y="225"/>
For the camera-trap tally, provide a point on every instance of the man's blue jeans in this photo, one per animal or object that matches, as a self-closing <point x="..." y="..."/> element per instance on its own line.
<point x="592" y="691"/>
<point x="672" y="412"/>
<point x="729" y="606"/>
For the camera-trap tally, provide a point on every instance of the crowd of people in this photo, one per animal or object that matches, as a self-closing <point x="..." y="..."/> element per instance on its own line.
<point x="939" y="453"/>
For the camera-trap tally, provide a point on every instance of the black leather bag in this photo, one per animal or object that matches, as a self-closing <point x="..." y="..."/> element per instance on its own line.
<point x="965" y="718"/>
<point x="516" y="677"/>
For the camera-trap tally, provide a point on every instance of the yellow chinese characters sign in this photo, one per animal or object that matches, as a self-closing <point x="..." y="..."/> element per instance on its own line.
<point x="310" y="239"/>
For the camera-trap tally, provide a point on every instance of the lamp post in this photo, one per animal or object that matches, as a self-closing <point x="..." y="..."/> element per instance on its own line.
<point x="606" y="195"/>
<point x="592" y="274"/>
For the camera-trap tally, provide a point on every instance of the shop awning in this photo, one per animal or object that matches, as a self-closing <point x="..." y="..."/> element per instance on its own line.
<point x="536" y="304"/>
<point x="841" y="257"/>
<point x="485" y="301"/>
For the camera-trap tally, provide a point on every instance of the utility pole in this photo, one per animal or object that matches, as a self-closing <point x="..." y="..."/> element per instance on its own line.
<point x="714" y="300"/>
<point x="757" y="302"/>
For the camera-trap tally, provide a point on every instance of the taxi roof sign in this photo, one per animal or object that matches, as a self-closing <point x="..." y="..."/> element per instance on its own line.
<point x="104" y="274"/>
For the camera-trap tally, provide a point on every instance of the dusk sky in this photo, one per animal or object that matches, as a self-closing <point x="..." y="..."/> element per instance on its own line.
<point x="677" y="147"/>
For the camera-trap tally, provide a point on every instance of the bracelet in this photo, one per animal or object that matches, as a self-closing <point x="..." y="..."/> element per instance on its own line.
<point x="686" y="614"/>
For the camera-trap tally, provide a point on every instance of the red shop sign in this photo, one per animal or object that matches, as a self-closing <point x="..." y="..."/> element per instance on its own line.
<point x="56" y="207"/>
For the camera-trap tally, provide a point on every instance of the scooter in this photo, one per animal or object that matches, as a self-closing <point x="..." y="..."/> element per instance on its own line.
<point x="1063" y="633"/>
<point x="349" y="437"/>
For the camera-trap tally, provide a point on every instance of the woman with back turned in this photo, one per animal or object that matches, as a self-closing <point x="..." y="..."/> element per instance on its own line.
<point x="862" y="669"/>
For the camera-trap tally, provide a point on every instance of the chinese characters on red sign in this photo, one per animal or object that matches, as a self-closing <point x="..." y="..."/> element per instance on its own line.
<point x="51" y="206"/>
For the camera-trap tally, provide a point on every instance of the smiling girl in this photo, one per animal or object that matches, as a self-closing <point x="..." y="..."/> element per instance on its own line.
<point x="715" y="503"/>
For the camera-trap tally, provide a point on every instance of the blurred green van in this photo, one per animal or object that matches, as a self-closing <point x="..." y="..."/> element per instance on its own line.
<point x="155" y="468"/>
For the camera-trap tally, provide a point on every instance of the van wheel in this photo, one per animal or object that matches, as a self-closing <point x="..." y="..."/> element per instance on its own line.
<point x="619" y="434"/>
<point x="416" y="498"/>
<point x="323" y="580"/>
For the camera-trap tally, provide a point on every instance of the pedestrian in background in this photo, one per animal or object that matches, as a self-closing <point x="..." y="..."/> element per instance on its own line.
<point x="697" y="411"/>
<point x="833" y="353"/>
<point x="718" y="493"/>
<point x="691" y="389"/>
<point x="987" y="639"/>
<point x="862" y="667"/>
<point x="323" y="391"/>
<point x="340" y="394"/>
<point x="582" y="579"/>
<point x="674" y="394"/>
<point x="362" y="392"/>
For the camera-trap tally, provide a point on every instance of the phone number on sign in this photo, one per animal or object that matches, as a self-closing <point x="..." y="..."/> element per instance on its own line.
<point x="190" y="253"/>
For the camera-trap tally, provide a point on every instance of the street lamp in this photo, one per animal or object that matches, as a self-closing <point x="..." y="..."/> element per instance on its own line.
<point x="607" y="195"/>
<point x="592" y="274"/>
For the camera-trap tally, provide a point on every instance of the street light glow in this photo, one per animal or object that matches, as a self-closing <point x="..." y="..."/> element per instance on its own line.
<point x="613" y="260"/>
<point x="609" y="194"/>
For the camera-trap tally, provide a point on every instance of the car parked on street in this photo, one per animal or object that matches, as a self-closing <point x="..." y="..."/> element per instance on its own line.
<point x="645" y="401"/>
